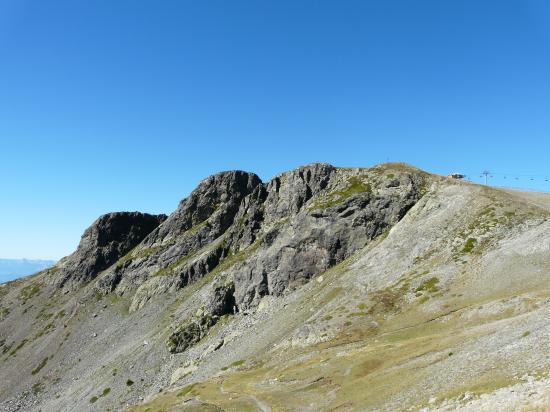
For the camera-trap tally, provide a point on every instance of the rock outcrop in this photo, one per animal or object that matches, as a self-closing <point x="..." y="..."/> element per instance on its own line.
<point x="219" y="301"/>
<point x="266" y="237"/>
<point x="260" y="238"/>
<point x="318" y="218"/>
<point x="103" y="243"/>
<point x="199" y="220"/>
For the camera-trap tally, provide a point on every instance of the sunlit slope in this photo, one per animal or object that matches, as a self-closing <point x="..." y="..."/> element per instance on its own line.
<point x="324" y="288"/>
<point x="450" y="309"/>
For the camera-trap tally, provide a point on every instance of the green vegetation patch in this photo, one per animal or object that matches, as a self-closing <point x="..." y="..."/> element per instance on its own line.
<point x="386" y="300"/>
<point x="46" y="329"/>
<point x="44" y="315"/>
<point x="238" y="257"/>
<point x="37" y="388"/>
<point x="104" y="393"/>
<point x="234" y="364"/>
<point x="469" y="245"/>
<point x="352" y="314"/>
<point x="429" y="285"/>
<point x="186" y="390"/>
<point x="355" y="186"/>
<point x="366" y="367"/>
<point x="40" y="366"/>
<point x="129" y="382"/>
<point x="196" y="227"/>
<point x="423" y="299"/>
<point x="16" y="349"/>
<point x="29" y="291"/>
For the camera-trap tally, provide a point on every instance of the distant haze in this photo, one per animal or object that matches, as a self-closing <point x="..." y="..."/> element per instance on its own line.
<point x="14" y="268"/>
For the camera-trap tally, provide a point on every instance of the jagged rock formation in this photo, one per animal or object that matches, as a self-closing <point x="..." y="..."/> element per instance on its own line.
<point x="323" y="288"/>
<point x="299" y="224"/>
<point x="110" y="237"/>
<point x="274" y="236"/>
<point x="322" y="228"/>
<point x="199" y="220"/>
<point x="221" y="301"/>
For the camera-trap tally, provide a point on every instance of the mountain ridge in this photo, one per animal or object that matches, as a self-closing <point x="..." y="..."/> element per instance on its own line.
<point x="247" y="280"/>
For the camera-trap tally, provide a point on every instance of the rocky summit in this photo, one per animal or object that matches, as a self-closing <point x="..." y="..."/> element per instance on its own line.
<point x="323" y="289"/>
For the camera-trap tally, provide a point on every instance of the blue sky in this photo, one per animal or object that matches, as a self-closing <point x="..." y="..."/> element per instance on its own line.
<point x="123" y="105"/>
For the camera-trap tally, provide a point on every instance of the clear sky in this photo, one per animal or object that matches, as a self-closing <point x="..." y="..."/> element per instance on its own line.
<point x="125" y="105"/>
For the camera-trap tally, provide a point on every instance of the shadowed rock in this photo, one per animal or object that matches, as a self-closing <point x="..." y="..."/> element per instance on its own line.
<point x="298" y="224"/>
<point x="219" y="195"/>
<point x="103" y="243"/>
<point x="199" y="220"/>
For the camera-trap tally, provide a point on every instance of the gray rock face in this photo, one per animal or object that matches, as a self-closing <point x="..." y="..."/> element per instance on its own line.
<point x="103" y="243"/>
<point x="262" y="238"/>
<point x="220" y="301"/>
<point x="318" y="233"/>
<point x="287" y="194"/>
<point x="217" y="197"/>
<point x="291" y="229"/>
<point x="199" y="220"/>
<point x="266" y="237"/>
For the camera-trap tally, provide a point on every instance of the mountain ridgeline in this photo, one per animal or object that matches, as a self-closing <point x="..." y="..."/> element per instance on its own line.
<point x="266" y="237"/>
<point x="153" y="302"/>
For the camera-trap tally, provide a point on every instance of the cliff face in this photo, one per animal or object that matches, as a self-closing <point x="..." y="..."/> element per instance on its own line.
<point x="312" y="219"/>
<point x="316" y="260"/>
<point x="110" y="237"/>
<point x="282" y="232"/>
